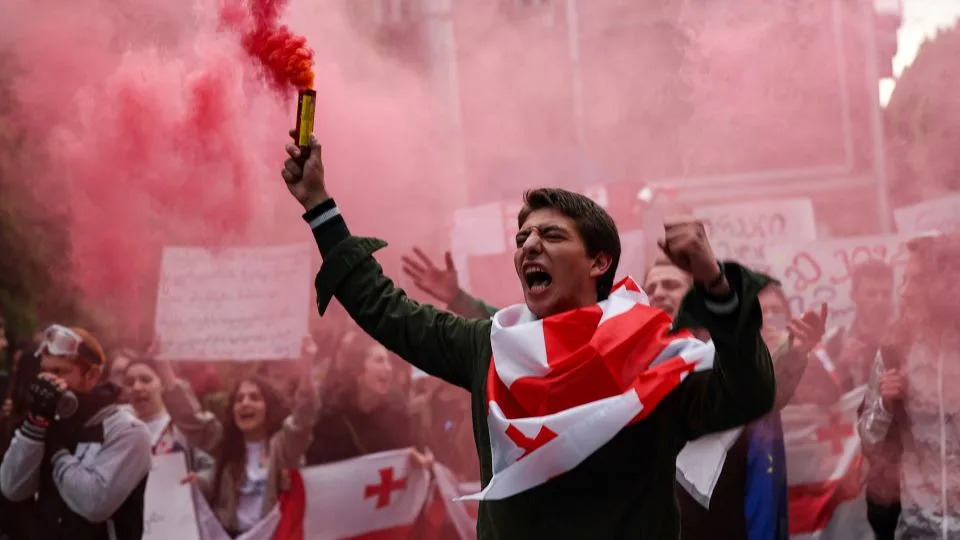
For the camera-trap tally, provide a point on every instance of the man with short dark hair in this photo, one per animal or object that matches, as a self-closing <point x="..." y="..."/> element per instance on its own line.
<point x="582" y="396"/>
<point x="666" y="285"/>
<point x="84" y="459"/>
<point x="853" y="349"/>
<point x="749" y="498"/>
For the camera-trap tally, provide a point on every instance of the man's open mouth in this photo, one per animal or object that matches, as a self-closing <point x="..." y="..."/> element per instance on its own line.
<point x="537" y="278"/>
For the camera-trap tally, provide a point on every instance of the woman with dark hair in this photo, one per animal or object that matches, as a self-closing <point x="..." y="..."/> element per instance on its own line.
<point x="363" y="411"/>
<point x="254" y="444"/>
<point x="117" y="362"/>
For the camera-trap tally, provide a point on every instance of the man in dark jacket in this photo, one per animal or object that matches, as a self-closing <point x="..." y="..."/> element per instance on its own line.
<point x="566" y="258"/>
<point x="86" y="464"/>
<point x="749" y="499"/>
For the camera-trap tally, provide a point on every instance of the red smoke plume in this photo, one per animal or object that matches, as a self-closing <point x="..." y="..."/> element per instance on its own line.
<point x="283" y="55"/>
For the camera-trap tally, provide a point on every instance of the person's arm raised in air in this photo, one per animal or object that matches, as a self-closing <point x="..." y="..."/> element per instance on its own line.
<point x="202" y="428"/>
<point x="435" y="341"/>
<point x="442" y="284"/>
<point x="740" y="387"/>
<point x="791" y="357"/>
<point x="294" y="437"/>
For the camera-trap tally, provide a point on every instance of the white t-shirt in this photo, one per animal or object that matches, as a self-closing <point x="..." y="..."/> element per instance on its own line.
<point x="253" y="488"/>
<point x="161" y="434"/>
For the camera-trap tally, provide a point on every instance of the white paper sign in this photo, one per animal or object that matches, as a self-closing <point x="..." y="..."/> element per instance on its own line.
<point x="742" y="232"/>
<point x="821" y="272"/>
<point x="168" y="510"/>
<point x="941" y="215"/>
<point x="233" y="304"/>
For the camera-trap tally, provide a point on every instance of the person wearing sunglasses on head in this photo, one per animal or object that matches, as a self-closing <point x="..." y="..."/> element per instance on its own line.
<point x="82" y="457"/>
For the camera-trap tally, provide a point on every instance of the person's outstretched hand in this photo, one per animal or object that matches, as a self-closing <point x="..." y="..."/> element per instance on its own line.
<point x="440" y="283"/>
<point x="305" y="183"/>
<point x="807" y="330"/>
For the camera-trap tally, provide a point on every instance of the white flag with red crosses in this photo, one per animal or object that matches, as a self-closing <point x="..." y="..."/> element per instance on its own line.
<point x="824" y="470"/>
<point x="561" y="387"/>
<point x="374" y="497"/>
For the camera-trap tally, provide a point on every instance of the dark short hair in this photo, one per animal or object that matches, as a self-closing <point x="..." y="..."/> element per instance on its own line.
<point x="142" y="361"/>
<point x="776" y="288"/>
<point x="662" y="261"/>
<point x="872" y="269"/>
<point x="594" y="225"/>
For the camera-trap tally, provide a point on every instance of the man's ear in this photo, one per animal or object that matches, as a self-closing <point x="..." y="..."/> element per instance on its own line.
<point x="94" y="375"/>
<point x="601" y="264"/>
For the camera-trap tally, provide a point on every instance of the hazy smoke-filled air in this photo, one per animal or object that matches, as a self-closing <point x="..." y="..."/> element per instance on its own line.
<point x="159" y="125"/>
<point x="163" y="122"/>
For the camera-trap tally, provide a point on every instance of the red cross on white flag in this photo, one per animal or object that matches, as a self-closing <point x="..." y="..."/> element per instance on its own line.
<point x="824" y="467"/>
<point x="385" y="488"/>
<point x="374" y="496"/>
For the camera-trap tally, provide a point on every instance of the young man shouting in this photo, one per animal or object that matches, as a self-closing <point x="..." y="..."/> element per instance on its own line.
<point x="582" y="397"/>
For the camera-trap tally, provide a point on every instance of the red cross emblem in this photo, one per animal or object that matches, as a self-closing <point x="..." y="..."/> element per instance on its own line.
<point x="386" y="486"/>
<point x="836" y="433"/>
<point x="528" y="445"/>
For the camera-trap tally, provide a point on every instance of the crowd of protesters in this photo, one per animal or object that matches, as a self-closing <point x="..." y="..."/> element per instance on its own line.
<point x="238" y="438"/>
<point x="79" y="425"/>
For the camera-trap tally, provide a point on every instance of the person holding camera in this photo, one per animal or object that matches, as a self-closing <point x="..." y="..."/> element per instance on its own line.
<point x="82" y="457"/>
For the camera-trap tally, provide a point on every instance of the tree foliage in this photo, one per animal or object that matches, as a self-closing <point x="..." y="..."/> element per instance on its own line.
<point x="34" y="242"/>
<point x="922" y="122"/>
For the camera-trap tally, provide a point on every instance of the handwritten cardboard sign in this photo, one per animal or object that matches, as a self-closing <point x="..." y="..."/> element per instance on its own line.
<point x="819" y="272"/>
<point x="168" y="510"/>
<point x="233" y="304"/>
<point x="941" y="215"/>
<point x="742" y="232"/>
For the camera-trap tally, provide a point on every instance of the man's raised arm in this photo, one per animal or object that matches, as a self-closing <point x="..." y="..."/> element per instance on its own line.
<point x="435" y="341"/>
<point x="741" y="385"/>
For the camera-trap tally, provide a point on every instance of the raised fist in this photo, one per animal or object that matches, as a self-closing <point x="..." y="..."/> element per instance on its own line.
<point x="685" y="244"/>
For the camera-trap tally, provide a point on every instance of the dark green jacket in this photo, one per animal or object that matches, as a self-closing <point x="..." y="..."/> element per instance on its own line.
<point x="623" y="490"/>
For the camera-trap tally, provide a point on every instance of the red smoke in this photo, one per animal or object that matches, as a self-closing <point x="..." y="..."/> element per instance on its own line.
<point x="154" y="127"/>
<point x="284" y="55"/>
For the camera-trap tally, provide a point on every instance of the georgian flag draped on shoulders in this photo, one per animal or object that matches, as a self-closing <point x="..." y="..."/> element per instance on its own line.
<point x="559" y="388"/>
